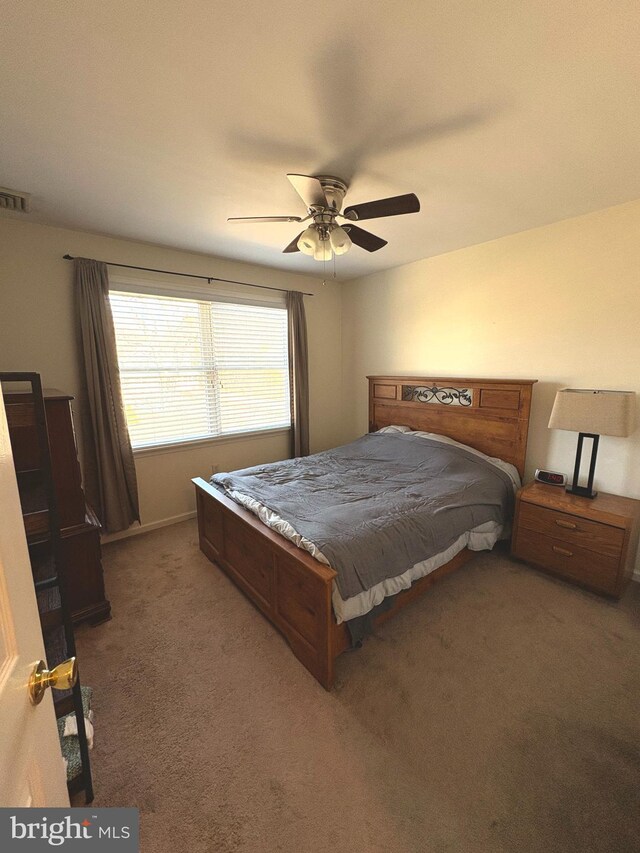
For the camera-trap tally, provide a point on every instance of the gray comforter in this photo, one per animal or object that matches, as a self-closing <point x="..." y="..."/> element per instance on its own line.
<point x="379" y="505"/>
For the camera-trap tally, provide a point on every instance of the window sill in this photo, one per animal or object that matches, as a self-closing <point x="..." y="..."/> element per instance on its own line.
<point x="178" y="446"/>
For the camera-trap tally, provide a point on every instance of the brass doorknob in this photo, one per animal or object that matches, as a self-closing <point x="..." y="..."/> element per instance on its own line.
<point x="62" y="677"/>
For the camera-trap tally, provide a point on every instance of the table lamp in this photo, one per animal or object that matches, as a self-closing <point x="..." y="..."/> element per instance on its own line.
<point x="591" y="414"/>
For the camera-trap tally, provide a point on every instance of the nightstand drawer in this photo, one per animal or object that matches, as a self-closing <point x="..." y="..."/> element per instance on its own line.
<point x="572" y="530"/>
<point x="572" y="561"/>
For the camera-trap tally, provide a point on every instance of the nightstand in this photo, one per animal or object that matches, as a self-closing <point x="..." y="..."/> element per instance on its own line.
<point x="592" y="542"/>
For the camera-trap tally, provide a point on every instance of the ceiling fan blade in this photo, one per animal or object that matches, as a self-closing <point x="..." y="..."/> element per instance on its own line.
<point x="394" y="206"/>
<point x="364" y="239"/>
<point x="293" y="245"/>
<point x="310" y="190"/>
<point x="264" y="219"/>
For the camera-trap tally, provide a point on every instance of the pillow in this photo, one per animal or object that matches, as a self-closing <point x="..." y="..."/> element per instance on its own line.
<point x="395" y="428"/>
<point x="507" y="467"/>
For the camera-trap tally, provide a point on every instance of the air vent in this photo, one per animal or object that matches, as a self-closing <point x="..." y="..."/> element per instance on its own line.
<point x="14" y="200"/>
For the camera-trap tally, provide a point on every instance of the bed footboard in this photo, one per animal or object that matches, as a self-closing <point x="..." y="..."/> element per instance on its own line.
<point x="291" y="588"/>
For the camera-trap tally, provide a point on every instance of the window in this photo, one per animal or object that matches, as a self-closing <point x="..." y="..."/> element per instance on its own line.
<point x="194" y="369"/>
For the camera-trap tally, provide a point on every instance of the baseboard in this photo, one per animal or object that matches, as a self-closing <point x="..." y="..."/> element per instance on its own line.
<point x="137" y="529"/>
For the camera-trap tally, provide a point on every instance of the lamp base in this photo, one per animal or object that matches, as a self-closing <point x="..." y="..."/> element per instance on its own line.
<point x="583" y="491"/>
<point x="588" y="490"/>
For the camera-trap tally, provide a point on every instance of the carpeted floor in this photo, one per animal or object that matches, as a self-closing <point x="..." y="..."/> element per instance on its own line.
<point x="501" y="712"/>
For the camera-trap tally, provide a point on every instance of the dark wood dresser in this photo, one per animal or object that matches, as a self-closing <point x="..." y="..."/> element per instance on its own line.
<point x="79" y="527"/>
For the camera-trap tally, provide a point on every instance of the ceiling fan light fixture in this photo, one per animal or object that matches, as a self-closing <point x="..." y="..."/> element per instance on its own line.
<point x="309" y="241"/>
<point x="323" y="196"/>
<point x="323" y="252"/>
<point x="340" y="240"/>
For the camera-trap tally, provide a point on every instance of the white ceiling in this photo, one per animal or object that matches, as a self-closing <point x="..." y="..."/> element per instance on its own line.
<point x="156" y="120"/>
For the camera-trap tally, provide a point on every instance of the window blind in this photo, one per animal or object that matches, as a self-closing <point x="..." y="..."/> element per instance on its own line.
<point x="192" y="369"/>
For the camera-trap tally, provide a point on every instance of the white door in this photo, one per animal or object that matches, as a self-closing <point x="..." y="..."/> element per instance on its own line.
<point x="31" y="767"/>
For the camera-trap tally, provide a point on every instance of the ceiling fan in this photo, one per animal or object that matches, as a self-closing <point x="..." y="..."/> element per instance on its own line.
<point x="323" y="196"/>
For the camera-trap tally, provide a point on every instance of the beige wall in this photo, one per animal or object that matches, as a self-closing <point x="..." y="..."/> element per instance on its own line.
<point x="560" y="304"/>
<point x="37" y="333"/>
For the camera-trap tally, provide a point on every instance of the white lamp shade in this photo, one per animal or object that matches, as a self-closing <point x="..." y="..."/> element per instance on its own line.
<point x="309" y="241"/>
<point x="340" y="240"/>
<point x="596" y="412"/>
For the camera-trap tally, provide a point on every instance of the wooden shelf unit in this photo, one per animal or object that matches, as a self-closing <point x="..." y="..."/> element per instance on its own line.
<point x="79" y="526"/>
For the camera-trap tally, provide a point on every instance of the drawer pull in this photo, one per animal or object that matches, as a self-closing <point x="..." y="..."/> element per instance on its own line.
<point x="562" y="551"/>
<point x="568" y="524"/>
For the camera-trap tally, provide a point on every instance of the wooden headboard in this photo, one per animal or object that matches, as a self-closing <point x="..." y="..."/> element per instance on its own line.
<point x="491" y="415"/>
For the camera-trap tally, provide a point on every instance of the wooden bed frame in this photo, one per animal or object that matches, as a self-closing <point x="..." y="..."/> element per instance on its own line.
<point x="287" y="584"/>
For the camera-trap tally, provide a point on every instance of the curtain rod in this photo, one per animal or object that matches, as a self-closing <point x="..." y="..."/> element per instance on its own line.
<point x="208" y="278"/>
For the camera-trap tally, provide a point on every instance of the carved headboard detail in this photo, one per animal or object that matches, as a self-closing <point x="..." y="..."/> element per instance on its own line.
<point x="491" y="415"/>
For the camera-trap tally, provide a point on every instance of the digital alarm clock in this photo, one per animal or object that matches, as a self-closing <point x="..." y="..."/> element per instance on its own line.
<point x="552" y="478"/>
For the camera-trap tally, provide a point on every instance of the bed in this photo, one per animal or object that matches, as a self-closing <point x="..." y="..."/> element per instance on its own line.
<point x="298" y="592"/>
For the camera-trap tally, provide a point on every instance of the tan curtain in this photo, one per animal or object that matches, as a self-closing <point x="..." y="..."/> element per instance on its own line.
<point x="109" y="470"/>
<point x="298" y="374"/>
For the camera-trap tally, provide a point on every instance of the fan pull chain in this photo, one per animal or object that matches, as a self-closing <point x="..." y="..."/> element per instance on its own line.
<point x="324" y="271"/>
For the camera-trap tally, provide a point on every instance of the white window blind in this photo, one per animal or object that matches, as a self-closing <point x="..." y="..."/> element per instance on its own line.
<point x="193" y="369"/>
